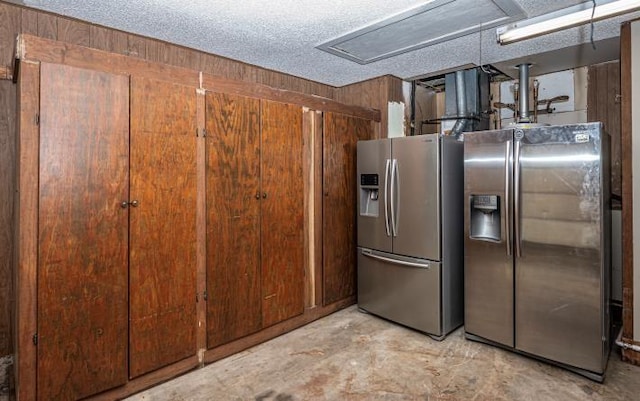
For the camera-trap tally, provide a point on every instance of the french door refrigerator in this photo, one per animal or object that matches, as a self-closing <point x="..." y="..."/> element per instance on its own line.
<point x="537" y="259"/>
<point x="410" y="225"/>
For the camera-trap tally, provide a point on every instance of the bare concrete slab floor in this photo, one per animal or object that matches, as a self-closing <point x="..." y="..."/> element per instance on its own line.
<point x="354" y="356"/>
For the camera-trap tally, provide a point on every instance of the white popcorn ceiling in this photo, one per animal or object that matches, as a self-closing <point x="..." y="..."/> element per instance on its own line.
<point x="282" y="34"/>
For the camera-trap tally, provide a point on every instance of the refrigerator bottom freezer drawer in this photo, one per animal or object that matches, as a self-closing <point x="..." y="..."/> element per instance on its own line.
<point x="395" y="288"/>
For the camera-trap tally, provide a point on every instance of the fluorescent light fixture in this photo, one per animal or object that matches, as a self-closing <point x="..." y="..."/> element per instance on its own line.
<point x="565" y="18"/>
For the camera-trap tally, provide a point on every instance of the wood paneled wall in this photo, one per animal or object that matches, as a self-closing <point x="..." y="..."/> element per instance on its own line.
<point x="374" y="93"/>
<point x="14" y="19"/>
<point x="603" y="104"/>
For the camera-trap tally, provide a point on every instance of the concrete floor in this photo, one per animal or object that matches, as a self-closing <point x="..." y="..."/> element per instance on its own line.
<point x="354" y="356"/>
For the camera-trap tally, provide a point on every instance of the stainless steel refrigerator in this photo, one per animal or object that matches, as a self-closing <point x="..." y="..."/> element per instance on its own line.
<point x="410" y="259"/>
<point x="537" y="259"/>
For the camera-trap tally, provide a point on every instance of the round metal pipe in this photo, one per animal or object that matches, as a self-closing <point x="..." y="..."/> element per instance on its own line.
<point x="461" y="103"/>
<point x="523" y="96"/>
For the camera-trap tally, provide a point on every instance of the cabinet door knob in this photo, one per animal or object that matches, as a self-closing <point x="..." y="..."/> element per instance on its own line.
<point x="124" y="204"/>
<point x="264" y="195"/>
<point x="257" y="195"/>
<point x="134" y="203"/>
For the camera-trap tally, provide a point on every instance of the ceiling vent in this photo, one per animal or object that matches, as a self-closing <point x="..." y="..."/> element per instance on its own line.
<point x="431" y="23"/>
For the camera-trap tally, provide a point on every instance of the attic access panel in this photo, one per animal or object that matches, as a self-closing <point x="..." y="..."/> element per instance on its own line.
<point x="431" y="23"/>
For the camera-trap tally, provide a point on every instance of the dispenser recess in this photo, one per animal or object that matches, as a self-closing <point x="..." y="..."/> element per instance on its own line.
<point x="485" y="217"/>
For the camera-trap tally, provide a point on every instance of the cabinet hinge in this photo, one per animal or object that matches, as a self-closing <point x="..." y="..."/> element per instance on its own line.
<point x="204" y="295"/>
<point x="37" y="119"/>
<point x="197" y="298"/>
<point x="35" y="339"/>
<point x="204" y="132"/>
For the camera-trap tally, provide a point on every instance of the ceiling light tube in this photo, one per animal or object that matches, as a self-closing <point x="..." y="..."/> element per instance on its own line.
<point x="563" y="19"/>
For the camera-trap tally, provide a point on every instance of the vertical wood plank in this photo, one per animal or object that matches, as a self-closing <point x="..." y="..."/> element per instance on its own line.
<point x="82" y="231"/>
<point x="282" y="213"/>
<point x="74" y="32"/>
<point x="201" y="226"/>
<point x="10" y="21"/>
<point x="234" y="308"/>
<point x="162" y="255"/>
<point x="29" y="21"/>
<point x="137" y="46"/>
<point x="120" y="42"/>
<point x="101" y="38"/>
<point x="26" y="250"/>
<point x="47" y="26"/>
<point x="341" y="134"/>
<point x="308" y="164"/>
<point x="7" y="185"/>
<point x="627" y="184"/>
<point x="613" y="125"/>
<point x="317" y="210"/>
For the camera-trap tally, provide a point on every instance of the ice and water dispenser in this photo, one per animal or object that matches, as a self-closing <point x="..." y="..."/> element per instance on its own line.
<point x="369" y="191"/>
<point x="485" y="217"/>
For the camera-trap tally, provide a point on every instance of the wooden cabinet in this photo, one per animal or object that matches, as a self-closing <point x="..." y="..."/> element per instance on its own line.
<point x="339" y="184"/>
<point x="167" y="218"/>
<point x="82" y="232"/>
<point x="162" y="254"/>
<point x="255" y="214"/>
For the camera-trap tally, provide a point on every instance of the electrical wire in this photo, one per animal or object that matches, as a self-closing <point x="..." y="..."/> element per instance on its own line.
<point x="593" y="12"/>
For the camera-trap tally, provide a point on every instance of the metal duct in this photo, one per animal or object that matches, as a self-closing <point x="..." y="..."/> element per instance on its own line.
<point x="461" y="103"/>
<point x="523" y="95"/>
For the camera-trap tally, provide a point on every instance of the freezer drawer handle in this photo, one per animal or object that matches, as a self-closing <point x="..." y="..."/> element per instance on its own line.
<point x="396" y="261"/>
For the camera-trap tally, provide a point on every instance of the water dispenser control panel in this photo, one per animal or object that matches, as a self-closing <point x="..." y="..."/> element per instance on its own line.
<point x="369" y="189"/>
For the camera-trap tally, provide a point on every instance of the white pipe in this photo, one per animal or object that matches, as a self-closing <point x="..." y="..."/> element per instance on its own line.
<point x="624" y="345"/>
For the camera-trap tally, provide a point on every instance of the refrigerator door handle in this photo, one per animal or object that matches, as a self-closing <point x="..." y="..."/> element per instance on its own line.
<point x="386" y="203"/>
<point x="516" y="198"/>
<point x="372" y="255"/>
<point x="507" y="196"/>
<point x="395" y="189"/>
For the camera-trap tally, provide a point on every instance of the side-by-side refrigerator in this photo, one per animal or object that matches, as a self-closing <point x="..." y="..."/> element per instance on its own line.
<point x="537" y="232"/>
<point x="410" y="224"/>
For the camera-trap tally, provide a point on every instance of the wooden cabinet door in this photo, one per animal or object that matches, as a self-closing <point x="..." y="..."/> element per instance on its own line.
<point x="162" y="308"/>
<point x="340" y="136"/>
<point x="82" y="232"/>
<point x="282" y="212"/>
<point x="234" y="306"/>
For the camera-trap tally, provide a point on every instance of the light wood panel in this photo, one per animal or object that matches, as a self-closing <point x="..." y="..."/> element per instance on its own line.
<point x="341" y="133"/>
<point x="83" y="233"/>
<point x="162" y="254"/>
<point x="234" y="307"/>
<point x="10" y="22"/>
<point x="282" y="212"/>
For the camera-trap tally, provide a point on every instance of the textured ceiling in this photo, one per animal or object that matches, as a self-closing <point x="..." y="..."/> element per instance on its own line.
<point x="282" y="35"/>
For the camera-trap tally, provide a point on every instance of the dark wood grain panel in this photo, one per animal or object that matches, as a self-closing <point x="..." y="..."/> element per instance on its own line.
<point x="341" y="134"/>
<point x="613" y="125"/>
<point x="201" y="226"/>
<point x="10" y="21"/>
<point x="282" y="212"/>
<point x="603" y="104"/>
<point x="47" y="26"/>
<point x="82" y="269"/>
<point x="29" y="21"/>
<point x="137" y="46"/>
<point x="7" y="179"/>
<point x="627" y="183"/>
<point x="162" y="259"/>
<point x="26" y="249"/>
<point x="73" y="31"/>
<point x="234" y="308"/>
<point x="101" y="38"/>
